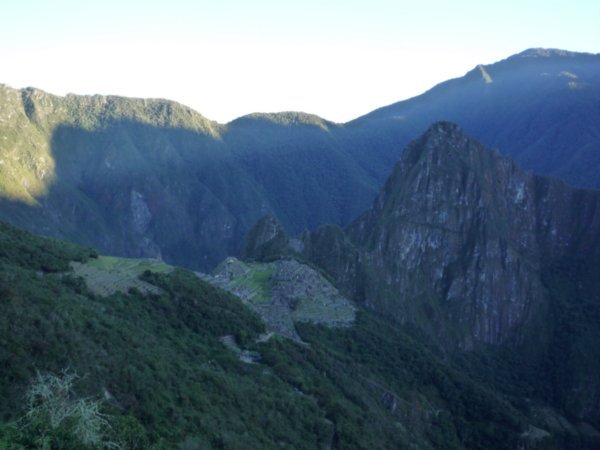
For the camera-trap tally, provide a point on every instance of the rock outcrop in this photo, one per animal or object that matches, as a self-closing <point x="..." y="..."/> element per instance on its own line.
<point x="266" y="239"/>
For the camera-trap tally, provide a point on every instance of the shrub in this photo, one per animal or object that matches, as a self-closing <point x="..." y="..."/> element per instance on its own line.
<point x="54" y="414"/>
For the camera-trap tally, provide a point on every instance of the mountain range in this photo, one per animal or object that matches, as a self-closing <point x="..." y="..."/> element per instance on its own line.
<point x="425" y="276"/>
<point x="472" y="324"/>
<point x="137" y="177"/>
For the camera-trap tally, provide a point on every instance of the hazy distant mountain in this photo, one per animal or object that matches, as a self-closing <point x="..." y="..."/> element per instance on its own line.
<point x="541" y="107"/>
<point x="154" y="178"/>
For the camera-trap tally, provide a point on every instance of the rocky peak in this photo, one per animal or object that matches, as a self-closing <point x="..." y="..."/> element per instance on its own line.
<point x="266" y="239"/>
<point x="452" y="235"/>
<point x="458" y="240"/>
<point x="444" y="143"/>
<point x="446" y="179"/>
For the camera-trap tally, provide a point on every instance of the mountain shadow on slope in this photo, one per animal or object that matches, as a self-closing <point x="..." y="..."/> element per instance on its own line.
<point x="134" y="189"/>
<point x="540" y="107"/>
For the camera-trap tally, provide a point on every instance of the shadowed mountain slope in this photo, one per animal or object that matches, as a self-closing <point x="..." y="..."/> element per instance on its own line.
<point x="541" y="107"/>
<point x="170" y="361"/>
<point x="154" y="178"/>
<point x="478" y="254"/>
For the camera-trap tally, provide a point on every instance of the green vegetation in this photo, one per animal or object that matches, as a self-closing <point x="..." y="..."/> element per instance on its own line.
<point x="286" y="118"/>
<point x="258" y="281"/>
<point x="155" y="367"/>
<point x="552" y="373"/>
<point x="157" y="358"/>
<point x="106" y="275"/>
<point x="203" y="184"/>
<point x="129" y="265"/>
<point x="422" y="390"/>
<point x="21" y="249"/>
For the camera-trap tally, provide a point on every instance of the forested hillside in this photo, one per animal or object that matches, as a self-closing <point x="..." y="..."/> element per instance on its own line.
<point x="150" y="370"/>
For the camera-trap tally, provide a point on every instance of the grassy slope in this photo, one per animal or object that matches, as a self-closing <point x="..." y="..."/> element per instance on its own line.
<point x="106" y="275"/>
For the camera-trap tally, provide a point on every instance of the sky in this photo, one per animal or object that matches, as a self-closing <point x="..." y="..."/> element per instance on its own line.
<point x="338" y="59"/>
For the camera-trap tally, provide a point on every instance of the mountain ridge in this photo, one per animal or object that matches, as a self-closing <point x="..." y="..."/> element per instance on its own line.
<point x="69" y="158"/>
<point x="66" y="160"/>
<point x="533" y="52"/>
<point x="542" y="54"/>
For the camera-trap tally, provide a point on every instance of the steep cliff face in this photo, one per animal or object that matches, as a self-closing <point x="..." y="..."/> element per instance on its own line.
<point x="480" y="255"/>
<point x="451" y="239"/>
<point x="459" y="239"/>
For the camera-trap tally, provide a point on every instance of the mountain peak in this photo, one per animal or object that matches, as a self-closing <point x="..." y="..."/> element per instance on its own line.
<point x="441" y="141"/>
<point x="462" y="235"/>
<point x="547" y="53"/>
<point x="452" y="209"/>
<point x="442" y="136"/>
<point x="443" y="128"/>
<point x="286" y="118"/>
<point x="266" y="238"/>
<point x="436" y="163"/>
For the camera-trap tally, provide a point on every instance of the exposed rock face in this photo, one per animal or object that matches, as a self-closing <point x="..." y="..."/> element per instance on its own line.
<point x="140" y="213"/>
<point x="453" y="230"/>
<point x="329" y="247"/>
<point x="458" y="240"/>
<point x="265" y="239"/>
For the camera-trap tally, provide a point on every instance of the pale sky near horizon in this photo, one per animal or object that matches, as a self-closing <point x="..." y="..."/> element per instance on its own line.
<point x="337" y="59"/>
